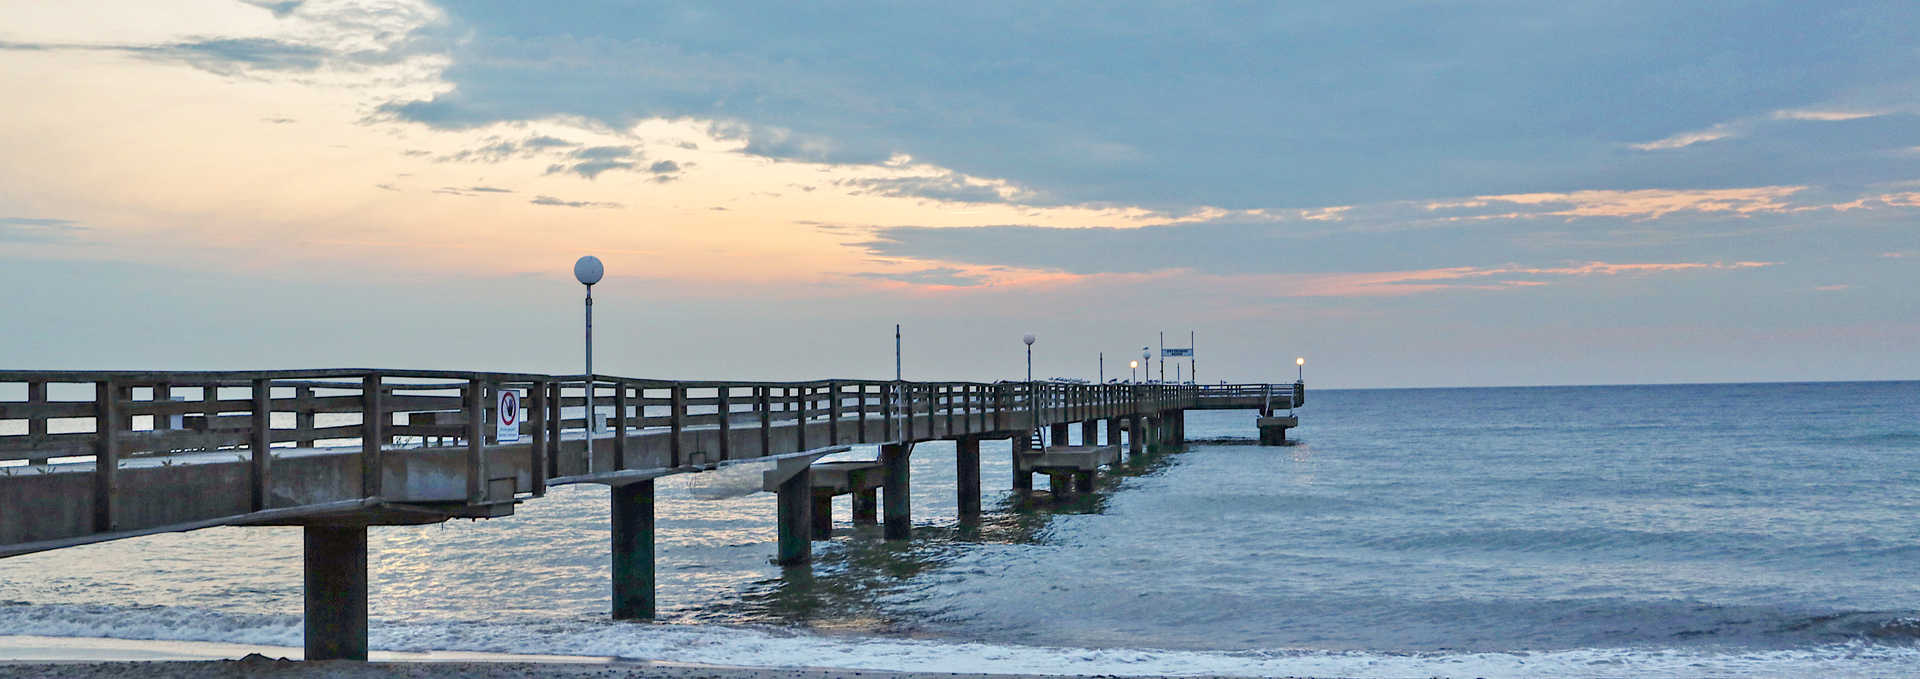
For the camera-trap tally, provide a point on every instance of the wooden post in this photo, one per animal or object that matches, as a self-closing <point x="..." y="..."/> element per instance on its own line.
<point x="303" y="416"/>
<point x="541" y="443"/>
<point x="106" y="456"/>
<point x="677" y="423"/>
<point x="796" y="402"/>
<point x="723" y="402"/>
<point x="336" y="592"/>
<point x="554" y="423"/>
<point x="765" y="406"/>
<point x="37" y="423"/>
<point x="633" y="556"/>
<point x="373" y="435"/>
<point x="476" y="442"/>
<point x="619" y="426"/>
<point x="966" y="462"/>
<point x="795" y="509"/>
<point x="898" y="487"/>
<point x="886" y="412"/>
<point x="863" y="412"/>
<point x="833" y="418"/>
<point x="946" y="401"/>
<point x="260" y="438"/>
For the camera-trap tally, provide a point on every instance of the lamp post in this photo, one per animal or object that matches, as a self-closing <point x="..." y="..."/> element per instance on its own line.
<point x="1029" y="340"/>
<point x="1146" y="356"/>
<point x="1135" y="367"/>
<point x="1299" y="364"/>
<point x="588" y="271"/>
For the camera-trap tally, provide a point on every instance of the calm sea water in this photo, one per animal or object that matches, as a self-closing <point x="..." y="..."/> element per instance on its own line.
<point x="1684" y="530"/>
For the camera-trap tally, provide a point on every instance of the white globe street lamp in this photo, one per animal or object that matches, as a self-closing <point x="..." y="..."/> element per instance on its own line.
<point x="588" y="270"/>
<point x="1029" y="340"/>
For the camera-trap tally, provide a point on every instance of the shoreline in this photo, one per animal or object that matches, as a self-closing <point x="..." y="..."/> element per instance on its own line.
<point x="255" y="666"/>
<point x="26" y="656"/>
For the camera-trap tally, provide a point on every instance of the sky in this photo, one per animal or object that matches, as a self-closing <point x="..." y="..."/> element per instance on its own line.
<point x="1408" y="194"/>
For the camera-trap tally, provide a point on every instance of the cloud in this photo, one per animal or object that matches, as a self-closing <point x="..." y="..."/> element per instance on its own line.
<point x="1758" y="224"/>
<point x="280" y="8"/>
<point x="1685" y="139"/>
<point x="465" y="191"/>
<point x="556" y="202"/>
<point x="941" y="276"/>
<point x="1236" y="106"/>
<point x="951" y="187"/>
<point x="495" y="150"/>
<point x="34" y="230"/>
<point x="591" y="169"/>
<point x="240" y="55"/>
<point x="593" y="161"/>
<point x="1469" y="278"/>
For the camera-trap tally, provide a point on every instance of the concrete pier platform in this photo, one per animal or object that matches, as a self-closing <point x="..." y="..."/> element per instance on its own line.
<point x="1076" y="458"/>
<point x="1273" y="430"/>
<point x="862" y="479"/>
<point x="1069" y="469"/>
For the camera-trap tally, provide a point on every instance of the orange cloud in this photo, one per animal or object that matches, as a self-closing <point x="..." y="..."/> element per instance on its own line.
<point x="1394" y="283"/>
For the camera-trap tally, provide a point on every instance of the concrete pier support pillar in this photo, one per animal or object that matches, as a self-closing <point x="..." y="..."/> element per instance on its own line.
<point x="796" y="519"/>
<point x="898" y="489"/>
<point x="1179" y="427"/>
<point x="1022" y="476"/>
<point x="1060" y="485"/>
<point x="966" y="461"/>
<point x="866" y="507"/>
<point x="1083" y="482"/>
<point x="1090" y="433"/>
<point x="1136" y="437"/>
<point x="336" y="584"/>
<point x="1156" y="432"/>
<point x="633" y="570"/>
<point x="1113" y="430"/>
<point x="822" y="516"/>
<point x="1059" y="437"/>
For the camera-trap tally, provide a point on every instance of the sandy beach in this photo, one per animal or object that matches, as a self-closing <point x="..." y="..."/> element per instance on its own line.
<point x="36" y="656"/>
<point x="260" y="666"/>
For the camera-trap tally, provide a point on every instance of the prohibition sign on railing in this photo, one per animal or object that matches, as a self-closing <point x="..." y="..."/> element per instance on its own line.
<point x="506" y="421"/>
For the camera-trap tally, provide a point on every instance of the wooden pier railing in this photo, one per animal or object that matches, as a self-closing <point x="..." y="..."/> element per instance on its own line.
<point x="93" y="456"/>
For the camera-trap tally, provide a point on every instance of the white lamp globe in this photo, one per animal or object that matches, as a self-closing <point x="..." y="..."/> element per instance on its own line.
<point x="1028" y="339"/>
<point x="588" y="270"/>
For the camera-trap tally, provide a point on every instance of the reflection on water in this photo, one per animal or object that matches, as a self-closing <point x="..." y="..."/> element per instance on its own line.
<point x="862" y="583"/>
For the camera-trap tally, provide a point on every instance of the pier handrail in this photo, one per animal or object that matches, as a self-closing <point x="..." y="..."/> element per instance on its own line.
<point x="86" y="431"/>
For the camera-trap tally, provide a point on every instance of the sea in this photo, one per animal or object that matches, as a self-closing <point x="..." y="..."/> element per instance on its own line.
<point x="1719" y="530"/>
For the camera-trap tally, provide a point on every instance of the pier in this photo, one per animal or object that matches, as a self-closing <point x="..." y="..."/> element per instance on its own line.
<point x="111" y="455"/>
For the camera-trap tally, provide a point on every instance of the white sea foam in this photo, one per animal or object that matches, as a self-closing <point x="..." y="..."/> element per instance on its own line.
<point x="785" y="648"/>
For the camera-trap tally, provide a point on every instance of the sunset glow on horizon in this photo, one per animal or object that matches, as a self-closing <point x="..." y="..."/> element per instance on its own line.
<point x="391" y="167"/>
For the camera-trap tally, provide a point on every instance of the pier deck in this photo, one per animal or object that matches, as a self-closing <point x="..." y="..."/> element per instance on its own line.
<point x="95" y="456"/>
